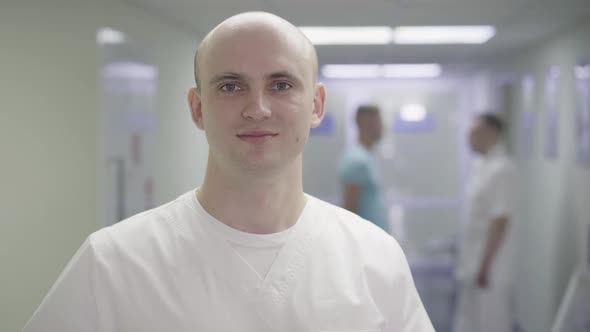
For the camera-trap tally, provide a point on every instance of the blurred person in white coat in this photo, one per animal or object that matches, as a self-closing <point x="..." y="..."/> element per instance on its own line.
<point x="248" y="250"/>
<point x="486" y="248"/>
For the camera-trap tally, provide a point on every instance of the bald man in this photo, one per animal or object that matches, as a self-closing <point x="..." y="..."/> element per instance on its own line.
<point x="248" y="250"/>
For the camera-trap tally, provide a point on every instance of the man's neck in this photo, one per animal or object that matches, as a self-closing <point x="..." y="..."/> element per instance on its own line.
<point x="490" y="148"/>
<point x="366" y="142"/>
<point x="254" y="204"/>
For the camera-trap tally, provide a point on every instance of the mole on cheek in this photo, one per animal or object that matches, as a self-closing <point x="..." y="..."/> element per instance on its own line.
<point x="297" y="139"/>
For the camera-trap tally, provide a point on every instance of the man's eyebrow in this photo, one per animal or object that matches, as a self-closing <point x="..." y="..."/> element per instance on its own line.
<point x="285" y="75"/>
<point x="225" y="76"/>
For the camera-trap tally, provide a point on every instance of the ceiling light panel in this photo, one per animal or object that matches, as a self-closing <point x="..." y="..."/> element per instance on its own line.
<point x="370" y="71"/>
<point x="443" y="34"/>
<point x="368" y="35"/>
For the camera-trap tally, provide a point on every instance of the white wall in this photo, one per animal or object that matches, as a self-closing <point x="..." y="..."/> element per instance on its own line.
<point x="554" y="216"/>
<point x="48" y="134"/>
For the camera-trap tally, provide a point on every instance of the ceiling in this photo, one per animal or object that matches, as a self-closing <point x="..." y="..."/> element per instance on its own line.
<point x="520" y="23"/>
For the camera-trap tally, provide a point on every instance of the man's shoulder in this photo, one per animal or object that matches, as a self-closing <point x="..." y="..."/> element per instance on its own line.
<point x="352" y="164"/>
<point x="353" y="153"/>
<point x="503" y="166"/>
<point x="364" y="247"/>
<point x="345" y="228"/>
<point x="155" y="226"/>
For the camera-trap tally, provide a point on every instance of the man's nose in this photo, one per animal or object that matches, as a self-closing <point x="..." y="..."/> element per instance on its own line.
<point x="258" y="107"/>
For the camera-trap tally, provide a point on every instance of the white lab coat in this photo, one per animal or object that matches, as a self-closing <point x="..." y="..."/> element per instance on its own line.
<point x="491" y="194"/>
<point x="166" y="270"/>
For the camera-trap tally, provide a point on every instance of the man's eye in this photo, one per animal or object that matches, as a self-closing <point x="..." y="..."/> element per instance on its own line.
<point x="230" y="87"/>
<point x="281" y="86"/>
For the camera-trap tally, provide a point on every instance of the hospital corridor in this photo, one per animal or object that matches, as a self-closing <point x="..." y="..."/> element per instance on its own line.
<point x="444" y="144"/>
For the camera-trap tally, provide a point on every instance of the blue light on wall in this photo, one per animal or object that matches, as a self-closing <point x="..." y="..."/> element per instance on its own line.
<point x="325" y="128"/>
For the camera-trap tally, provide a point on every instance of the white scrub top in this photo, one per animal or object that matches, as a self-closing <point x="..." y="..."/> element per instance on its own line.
<point x="168" y="269"/>
<point x="491" y="194"/>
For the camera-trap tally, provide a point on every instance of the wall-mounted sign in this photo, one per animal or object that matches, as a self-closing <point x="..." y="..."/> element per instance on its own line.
<point x="527" y="134"/>
<point x="583" y="113"/>
<point x="552" y="85"/>
<point x="527" y="118"/>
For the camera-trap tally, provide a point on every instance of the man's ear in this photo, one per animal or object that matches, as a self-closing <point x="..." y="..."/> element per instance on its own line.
<point x="319" y="105"/>
<point x="194" y="102"/>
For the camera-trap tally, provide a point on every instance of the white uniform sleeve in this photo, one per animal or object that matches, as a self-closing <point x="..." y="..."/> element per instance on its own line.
<point x="70" y="305"/>
<point x="408" y="310"/>
<point x="503" y="194"/>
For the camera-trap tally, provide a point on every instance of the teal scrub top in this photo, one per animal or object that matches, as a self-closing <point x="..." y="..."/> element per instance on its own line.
<point x="359" y="166"/>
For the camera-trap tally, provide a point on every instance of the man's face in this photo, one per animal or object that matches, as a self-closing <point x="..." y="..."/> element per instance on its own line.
<point x="371" y="125"/>
<point x="377" y="126"/>
<point x="477" y="136"/>
<point x="258" y="98"/>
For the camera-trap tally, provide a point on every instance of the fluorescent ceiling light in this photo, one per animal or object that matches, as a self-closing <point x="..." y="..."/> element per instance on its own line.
<point x="382" y="35"/>
<point x="413" y="113"/>
<point x="109" y="36"/>
<point x="351" y="71"/>
<point x="371" y="35"/>
<point x="443" y="34"/>
<point x="381" y="71"/>
<point x="412" y="71"/>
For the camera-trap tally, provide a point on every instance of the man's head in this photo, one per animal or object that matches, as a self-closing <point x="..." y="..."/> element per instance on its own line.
<point x="368" y="120"/>
<point x="256" y="95"/>
<point x="255" y="18"/>
<point x="485" y="132"/>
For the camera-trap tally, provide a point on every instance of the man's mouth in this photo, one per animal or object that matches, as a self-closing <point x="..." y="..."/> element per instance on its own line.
<point x="257" y="136"/>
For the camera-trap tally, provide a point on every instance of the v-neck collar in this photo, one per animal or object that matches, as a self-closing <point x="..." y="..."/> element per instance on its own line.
<point x="228" y="264"/>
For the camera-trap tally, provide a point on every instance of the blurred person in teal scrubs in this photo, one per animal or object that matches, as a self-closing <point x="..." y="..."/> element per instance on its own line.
<point x="358" y="171"/>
